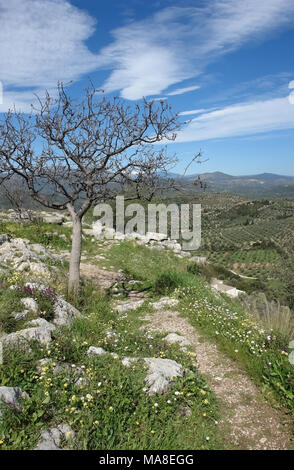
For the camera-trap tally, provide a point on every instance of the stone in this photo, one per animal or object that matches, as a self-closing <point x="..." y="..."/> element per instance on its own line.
<point x="198" y="259"/>
<point x="164" y="302"/>
<point x="174" y="338"/>
<point x="51" y="440"/>
<point x="41" y="322"/>
<point x="12" y="396"/>
<point x="122" y="308"/>
<point x="119" y="236"/>
<point x="160" y="373"/>
<point x="95" y="351"/>
<point x="158" y="237"/>
<point x="128" y="361"/>
<point x="185" y="254"/>
<point x="109" y="233"/>
<point x="64" y="312"/>
<point x="30" y="304"/>
<point x="53" y="219"/>
<point x="21" y="338"/>
<point x="18" y="316"/>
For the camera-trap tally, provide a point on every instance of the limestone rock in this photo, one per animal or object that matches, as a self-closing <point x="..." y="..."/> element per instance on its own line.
<point x="30" y="304"/>
<point x="164" y="302"/>
<point x="51" y="440"/>
<point x="173" y="338"/>
<point x="12" y="396"/>
<point x="124" y="307"/>
<point x="158" y="237"/>
<point x="20" y="339"/>
<point x="93" y="351"/>
<point x="160" y="373"/>
<point x="64" y="312"/>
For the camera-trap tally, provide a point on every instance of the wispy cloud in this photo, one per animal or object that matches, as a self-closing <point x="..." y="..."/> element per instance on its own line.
<point x="181" y="91"/>
<point x="241" y="119"/>
<point x="192" y="111"/>
<point x="177" y="43"/>
<point x="41" y="42"/>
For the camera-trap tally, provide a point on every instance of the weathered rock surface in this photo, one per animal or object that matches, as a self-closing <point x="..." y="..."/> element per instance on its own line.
<point x="30" y="304"/>
<point x="40" y="333"/>
<point x="51" y="440"/>
<point x="18" y="254"/>
<point x="160" y="373"/>
<point x="11" y="396"/>
<point x="124" y="307"/>
<point x="164" y="302"/>
<point x="174" y="338"/>
<point x="64" y="312"/>
<point x="93" y="351"/>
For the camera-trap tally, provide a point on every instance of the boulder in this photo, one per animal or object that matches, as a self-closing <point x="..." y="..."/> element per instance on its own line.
<point x="51" y="440"/>
<point x="121" y="308"/>
<point x="64" y="312"/>
<point x="53" y="219"/>
<point x="12" y="396"/>
<point x="173" y="338"/>
<point x="158" y="237"/>
<point x="18" y="316"/>
<point x="30" y="304"/>
<point x="93" y="351"/>
<point x="164" y="302"/>
<point x="160" y="374"/>
<point x="42" y="334"/>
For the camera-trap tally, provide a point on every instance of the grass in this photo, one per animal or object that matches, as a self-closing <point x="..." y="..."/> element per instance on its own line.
<point x="111" y="410"/>
<point x="263" y="353"/>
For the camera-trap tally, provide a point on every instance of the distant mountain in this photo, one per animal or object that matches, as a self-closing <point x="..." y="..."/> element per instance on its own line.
<point x="265" y="184"/>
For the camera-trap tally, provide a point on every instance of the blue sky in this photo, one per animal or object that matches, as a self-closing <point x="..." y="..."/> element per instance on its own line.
<point x="224" y="65"/>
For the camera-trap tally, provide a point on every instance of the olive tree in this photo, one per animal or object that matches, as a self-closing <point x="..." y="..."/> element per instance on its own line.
<point x="74" y="153"/>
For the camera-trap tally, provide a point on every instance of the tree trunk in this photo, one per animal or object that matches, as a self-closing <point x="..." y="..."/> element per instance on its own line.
<point x="75" y="257"/>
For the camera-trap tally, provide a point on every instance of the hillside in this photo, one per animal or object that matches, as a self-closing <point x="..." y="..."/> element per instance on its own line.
<point x="146" y="357"/>
<point x="263" y="185"/>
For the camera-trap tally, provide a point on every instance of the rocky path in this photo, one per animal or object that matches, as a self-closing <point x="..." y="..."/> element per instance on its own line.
<point x="248" y="421"/>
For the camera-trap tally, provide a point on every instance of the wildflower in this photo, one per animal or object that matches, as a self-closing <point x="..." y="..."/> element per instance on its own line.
<point x="152" y="432"/>
<point x="110" y="408"/>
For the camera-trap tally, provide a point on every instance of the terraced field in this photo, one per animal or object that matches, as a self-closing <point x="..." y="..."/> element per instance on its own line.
<point x="252" y="237"/>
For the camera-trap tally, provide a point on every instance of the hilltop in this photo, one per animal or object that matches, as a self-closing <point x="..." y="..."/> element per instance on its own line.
<point x="147" y="356"/>
<point x="262" y="185"/>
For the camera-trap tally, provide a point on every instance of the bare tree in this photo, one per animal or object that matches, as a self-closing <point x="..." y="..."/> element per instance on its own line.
<point x="14" y="191"/>
<point x="74" y="154"/>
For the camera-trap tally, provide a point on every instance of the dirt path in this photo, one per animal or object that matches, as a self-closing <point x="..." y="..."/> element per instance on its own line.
<point x="248" y="421"/>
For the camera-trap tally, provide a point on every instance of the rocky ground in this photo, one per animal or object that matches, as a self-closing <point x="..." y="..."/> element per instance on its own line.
<point x="247" y="421"/>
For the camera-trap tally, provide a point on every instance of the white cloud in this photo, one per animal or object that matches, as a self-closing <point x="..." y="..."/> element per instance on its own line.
<point x="149" y="56"/>
<point x="241" y="119"/>
<point x="193" y="111"/>
<point x="41" y="42"/>
<point x="181" y="91"/>
<point x="291" y="85"/>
